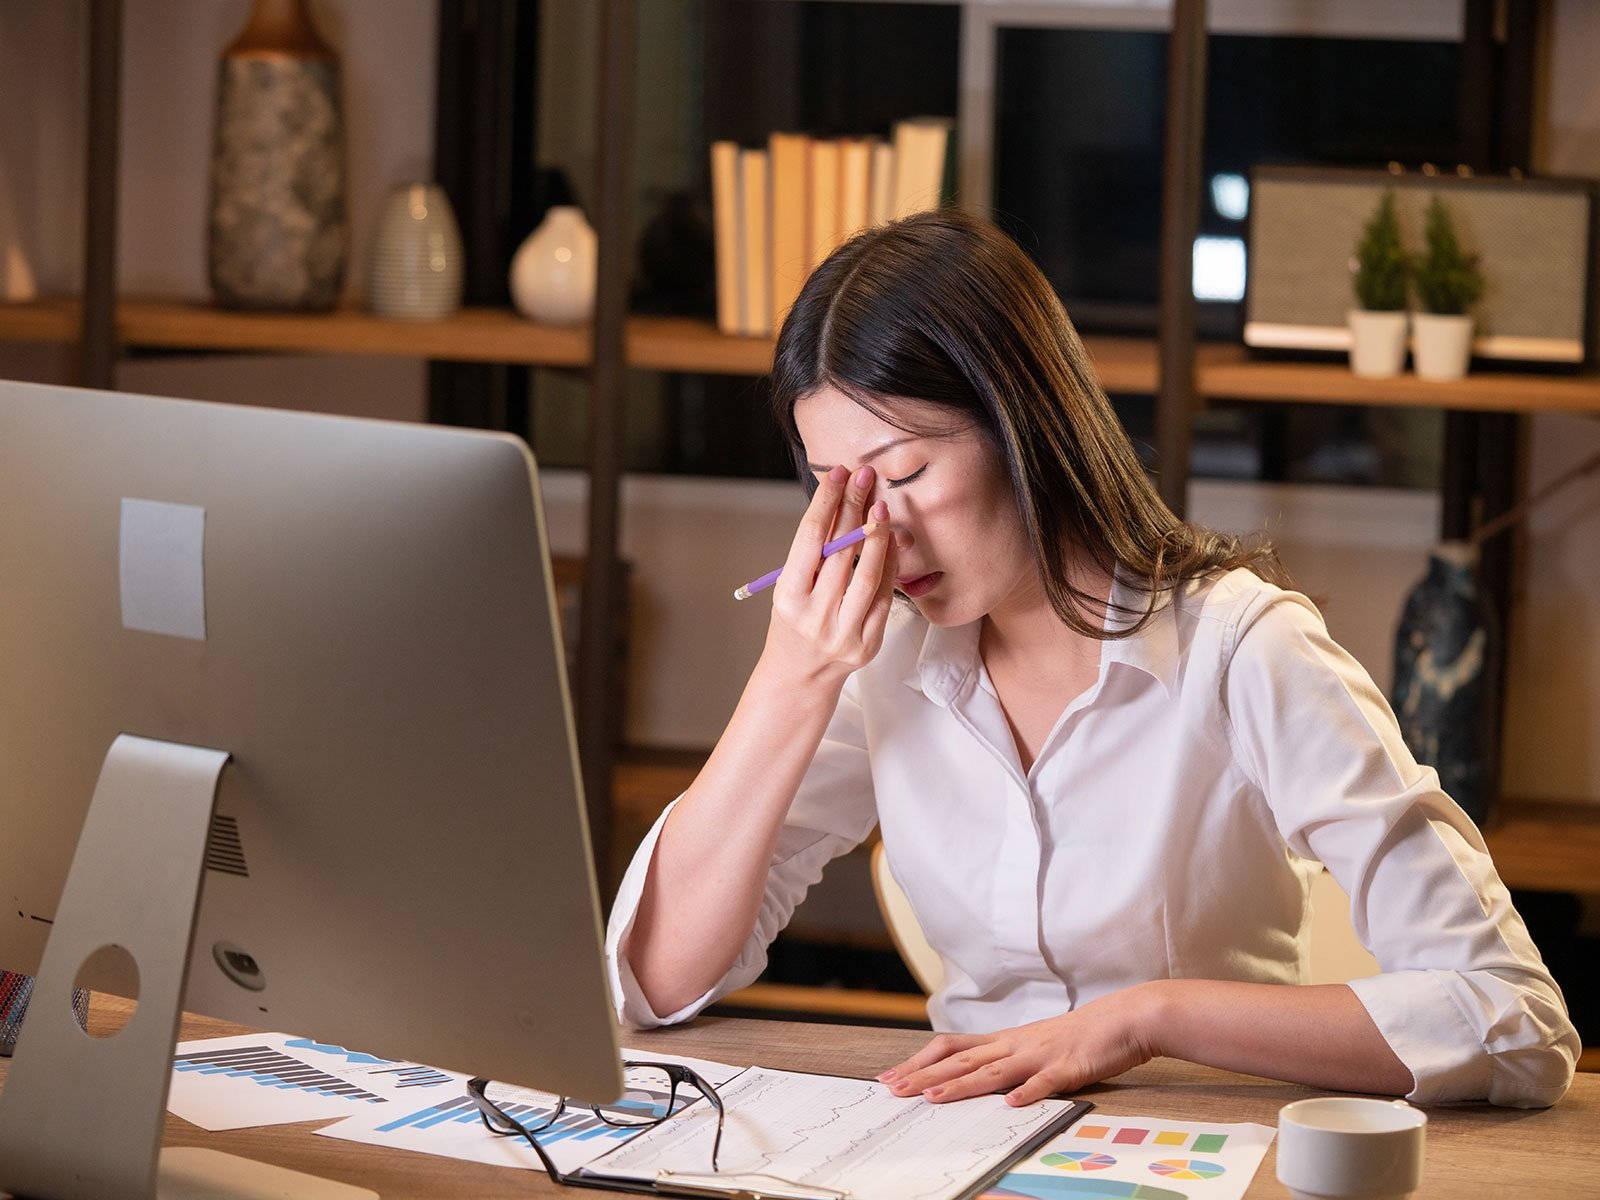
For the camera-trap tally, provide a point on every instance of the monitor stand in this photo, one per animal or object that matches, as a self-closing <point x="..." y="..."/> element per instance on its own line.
<point x="82" y="1116"/>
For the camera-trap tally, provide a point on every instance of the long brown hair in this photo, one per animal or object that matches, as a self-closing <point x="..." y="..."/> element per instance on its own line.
<point x="944" y="308"/>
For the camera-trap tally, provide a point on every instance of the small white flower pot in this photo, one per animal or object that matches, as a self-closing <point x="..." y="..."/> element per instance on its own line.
<point x="553" y="272"/>
<point x="1442" y="345"/>
<point x="1377" y="342"/>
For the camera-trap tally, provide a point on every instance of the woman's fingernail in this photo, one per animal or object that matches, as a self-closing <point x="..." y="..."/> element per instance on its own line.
<point x="864" y="477"/>
<point x="933" y="1093"/>
<point x="838" y="475"/>
<point x="880" y="511"/>
<point x="891" y="1073"/>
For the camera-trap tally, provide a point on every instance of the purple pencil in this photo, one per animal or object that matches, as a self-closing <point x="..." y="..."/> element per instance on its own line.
<point x="833" y="547"/>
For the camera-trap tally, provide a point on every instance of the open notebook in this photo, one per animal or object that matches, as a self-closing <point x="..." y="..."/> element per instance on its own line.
<point x="794" y="1136"/>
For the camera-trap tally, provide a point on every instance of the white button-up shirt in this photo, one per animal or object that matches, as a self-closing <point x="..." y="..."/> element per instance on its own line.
<point x="1170" y="827"/>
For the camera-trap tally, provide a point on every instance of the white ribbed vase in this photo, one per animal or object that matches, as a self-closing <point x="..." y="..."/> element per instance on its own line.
<point x="553" y="271"/>
<point x="415" y="268"/>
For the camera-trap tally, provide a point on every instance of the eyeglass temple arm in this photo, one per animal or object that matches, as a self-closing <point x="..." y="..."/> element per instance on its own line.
<point x="475" y="1089"/>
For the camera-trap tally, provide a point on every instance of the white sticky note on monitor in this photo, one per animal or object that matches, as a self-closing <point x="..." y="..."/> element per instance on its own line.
<point x="163" y="568"/>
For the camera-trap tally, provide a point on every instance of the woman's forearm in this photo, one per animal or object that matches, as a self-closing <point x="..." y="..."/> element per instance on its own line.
<point x="1319" y="1035"/>
<point x="705" y="883"/>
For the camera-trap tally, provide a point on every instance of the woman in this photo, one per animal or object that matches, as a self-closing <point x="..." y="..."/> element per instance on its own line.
<point x="1107" y="750"/>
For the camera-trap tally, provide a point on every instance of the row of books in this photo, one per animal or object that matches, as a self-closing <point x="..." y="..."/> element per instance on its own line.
<point x="781" y="209"/>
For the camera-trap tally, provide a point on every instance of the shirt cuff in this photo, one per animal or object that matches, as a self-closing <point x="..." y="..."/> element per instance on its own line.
<point x="1420" y="1020"/>
<point x="633" y="1009"/>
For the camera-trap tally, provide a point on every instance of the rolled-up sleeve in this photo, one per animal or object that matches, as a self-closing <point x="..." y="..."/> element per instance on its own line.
<point x="1464" y="998"/>
<point x="832" y="812"/>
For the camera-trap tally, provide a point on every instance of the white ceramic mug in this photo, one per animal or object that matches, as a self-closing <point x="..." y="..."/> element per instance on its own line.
<point x="1337" y="1146"/>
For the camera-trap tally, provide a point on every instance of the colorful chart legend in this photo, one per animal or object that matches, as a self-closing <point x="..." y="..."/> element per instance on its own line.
<point x="1136" y="1135"/>
<point x="1106" y="1157"/>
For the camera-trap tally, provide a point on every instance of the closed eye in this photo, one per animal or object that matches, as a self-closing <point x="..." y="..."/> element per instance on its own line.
<point x="911" y="478"/>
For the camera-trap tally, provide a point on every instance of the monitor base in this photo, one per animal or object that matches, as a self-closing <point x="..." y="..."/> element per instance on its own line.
<point x="81" y="1117"/>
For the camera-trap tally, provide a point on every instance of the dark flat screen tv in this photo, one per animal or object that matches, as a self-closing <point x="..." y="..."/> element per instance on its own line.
<point x="1078" y="146"/>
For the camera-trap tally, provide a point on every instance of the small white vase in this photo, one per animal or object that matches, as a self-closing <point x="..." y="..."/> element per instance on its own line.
<point x="415" y="268"/>
<point x="553" y="271"/>
<point x="1377" y="342"/>
<point x="1442" y="345"/>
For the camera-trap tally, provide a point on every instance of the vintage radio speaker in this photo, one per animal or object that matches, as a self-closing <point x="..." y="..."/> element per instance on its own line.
<point x="1534" y="239"/>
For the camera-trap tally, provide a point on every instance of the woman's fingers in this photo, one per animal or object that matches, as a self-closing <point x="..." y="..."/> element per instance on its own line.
<point x="883" y="600"/>
<point x="938" y="1075"/>
<point x="866" y="581"/>
<point x="834" y="573"/>
<point x="993" y="1076"/>
<point x="1039" y="1086"/>
<point x="941" y="1047"/>
<point x="806" y="549"/>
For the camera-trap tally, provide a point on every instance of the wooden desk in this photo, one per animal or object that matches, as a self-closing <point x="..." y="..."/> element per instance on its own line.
<point x="1476" y="1151"/>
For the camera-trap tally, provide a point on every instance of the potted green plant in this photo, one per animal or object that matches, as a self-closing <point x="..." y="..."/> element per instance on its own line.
<point x="1449" y="283"/>
<point x="1382" y="270"/>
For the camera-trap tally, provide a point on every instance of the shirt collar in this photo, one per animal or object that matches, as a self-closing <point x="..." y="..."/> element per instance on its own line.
<point x="948" y="660"/>
<point x="1154" y="649"/>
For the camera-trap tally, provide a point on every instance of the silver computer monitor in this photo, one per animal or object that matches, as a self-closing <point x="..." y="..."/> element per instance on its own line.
<point x="359" y="615"/>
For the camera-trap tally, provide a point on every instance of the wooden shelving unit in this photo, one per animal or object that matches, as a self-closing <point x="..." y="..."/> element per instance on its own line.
<point x="686" y="344"/>
<point x="1534" y="849"/>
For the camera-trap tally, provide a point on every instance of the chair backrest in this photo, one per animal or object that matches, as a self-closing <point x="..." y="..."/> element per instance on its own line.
<point x="1336" y="956"/>
<point x="922" y="959"/>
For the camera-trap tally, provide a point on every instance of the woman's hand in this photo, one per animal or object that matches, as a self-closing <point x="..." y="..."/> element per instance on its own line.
<point x="827" y="619"/>
<point x="1059" y="1054"/>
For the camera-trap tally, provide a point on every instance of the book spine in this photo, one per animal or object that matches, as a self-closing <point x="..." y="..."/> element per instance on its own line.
<point x="725" y="232"/>
<point x="756" y="173"/>
<point x="790" y="155"/>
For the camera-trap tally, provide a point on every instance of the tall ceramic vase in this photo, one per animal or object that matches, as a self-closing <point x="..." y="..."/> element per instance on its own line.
<point x="278" y="236"/>
<point x="1441" y="659"/>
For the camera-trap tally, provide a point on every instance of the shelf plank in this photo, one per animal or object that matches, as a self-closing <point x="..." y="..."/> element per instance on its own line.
<point x="1225" y="371"/>
<point x="51" y="321"/>
<point x="1230" y="373"/>
<point x="1547" y="846"/>
<point x="470" y="335"/>
<point x="855" y="1003"/>
<point x="687" y="344"/>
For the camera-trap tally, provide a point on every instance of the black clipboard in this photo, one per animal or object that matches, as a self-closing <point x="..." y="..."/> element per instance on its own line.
<point x="587" y="1176"/>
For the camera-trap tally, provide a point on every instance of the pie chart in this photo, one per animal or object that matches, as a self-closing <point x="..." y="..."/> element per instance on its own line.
<point x="1079" y="1160"/>
<point x="1074" y="1187"/>
<point x="1187" y="1168"/>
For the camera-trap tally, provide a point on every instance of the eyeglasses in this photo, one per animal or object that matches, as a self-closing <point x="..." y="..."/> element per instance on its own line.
<point x="650" y="1096"/>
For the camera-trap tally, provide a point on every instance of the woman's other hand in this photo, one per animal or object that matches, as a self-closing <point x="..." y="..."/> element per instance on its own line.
<point x="1059" y="1054"/>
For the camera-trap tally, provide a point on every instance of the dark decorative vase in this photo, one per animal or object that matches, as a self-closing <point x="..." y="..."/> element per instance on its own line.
<point x="1441" y="659"/>
<point x="15" y="992"/>
<point x="278" y="236"/>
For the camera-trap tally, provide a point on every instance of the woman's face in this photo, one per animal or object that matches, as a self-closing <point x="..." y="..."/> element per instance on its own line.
<point x="964" y="553"/>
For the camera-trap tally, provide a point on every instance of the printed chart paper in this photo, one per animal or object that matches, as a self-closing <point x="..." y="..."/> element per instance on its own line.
<point x="277" y="1078"/>
<point x="445" y="1122"/>
<point x="1140" y="1158"/>
<point x="824" y="1132"/>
